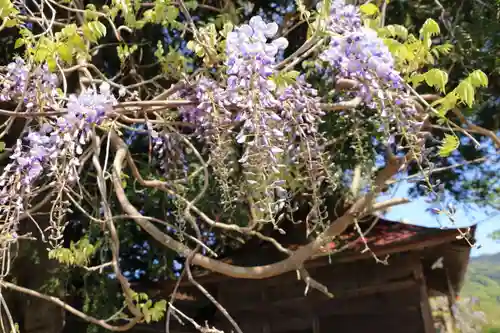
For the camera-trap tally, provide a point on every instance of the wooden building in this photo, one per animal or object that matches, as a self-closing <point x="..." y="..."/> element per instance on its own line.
<point x="369" y="296"/>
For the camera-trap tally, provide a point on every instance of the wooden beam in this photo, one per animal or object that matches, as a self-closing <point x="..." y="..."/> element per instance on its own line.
<point x="320" y="301"/>
<point x="425" y="307"/>
<point x="379" y="288"/>
<point x="315" y="325"/>
<point x="451" y="297"/>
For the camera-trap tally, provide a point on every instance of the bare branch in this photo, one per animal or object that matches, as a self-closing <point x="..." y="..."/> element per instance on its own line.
<point x="69" y="308"/>
<point x="477" y="129"/>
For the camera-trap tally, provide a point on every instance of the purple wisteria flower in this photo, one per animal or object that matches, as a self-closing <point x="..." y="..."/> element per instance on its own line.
<point x="362" y="55"/>
<point x="170" y="153"/>
<point x="274" y="126"/>
<point x="343" y="17"/>
<point x="356" y="52"/>
<point x="36" y="87"/>
<point x="51" y="147"/>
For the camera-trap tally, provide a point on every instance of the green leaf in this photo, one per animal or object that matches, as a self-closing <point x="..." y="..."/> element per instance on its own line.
<point x="465" y="92"/>
<point x="443" y="49"/>
<point x="98" y="28"/>
<point x="52" y="64"/>
<point x="7" y="9"/>
<point x="292" y="75"/>
<point x="2" y="146"/>
<point x="478" y="79"/>
<point x="19" y="42"/>
<point x="416" y="79"/>
<point x="147" y="314"/>
<point x="161" y="305"/>
<point x="394" y="31"/>
<point x="65" y="53"/>
<point x="41" y="54"/>
<point x="285" y="79"/>
<point x="10" y="23"/>
<point x="191" y="5"/>
<point x="94" y="31"/>
<point x="158" y="310"/>
<point x="369" y="9"/>
<point x="446" y="103"/>
<point x="436" y="78"/>
<point x="77" y="42"/>
<point x="172" y="13"/>
<point x="449" y="145"/>
<point x="226" y="29"/>
<point x="430" y="28"/>
<point x="90" y="13"/>
<point x="159" y="50"/>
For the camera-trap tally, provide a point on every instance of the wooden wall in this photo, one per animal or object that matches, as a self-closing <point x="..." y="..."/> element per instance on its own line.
<point x="369" y="298"/>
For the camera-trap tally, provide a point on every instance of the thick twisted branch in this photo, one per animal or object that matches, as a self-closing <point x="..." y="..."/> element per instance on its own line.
<point x="293" y="262"/>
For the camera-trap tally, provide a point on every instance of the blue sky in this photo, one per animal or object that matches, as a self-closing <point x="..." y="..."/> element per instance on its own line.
<point x="415" y="213"/>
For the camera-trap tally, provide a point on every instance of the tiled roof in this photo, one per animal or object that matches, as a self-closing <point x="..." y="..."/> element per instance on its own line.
<point x="382" y="233"/>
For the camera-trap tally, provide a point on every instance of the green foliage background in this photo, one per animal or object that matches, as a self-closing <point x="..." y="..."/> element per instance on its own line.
<point x="483" y="281"/>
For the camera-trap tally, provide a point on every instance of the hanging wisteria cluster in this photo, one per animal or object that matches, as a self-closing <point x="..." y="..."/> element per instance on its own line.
<point x="356" y="52"/>
<point x="36" y="88"/>
<point x="51" y="148"/>
<point x="262" y="135"/>
<point x="256" y="130"/>
<point x="170" y="153"/>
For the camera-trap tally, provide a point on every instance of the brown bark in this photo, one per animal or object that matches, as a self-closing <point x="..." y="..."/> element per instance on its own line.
<point x="293" y="262"/>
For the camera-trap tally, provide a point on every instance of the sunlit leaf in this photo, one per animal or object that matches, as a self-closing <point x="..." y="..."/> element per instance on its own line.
<point x="449" y="145"/>
<point x="436" y="78"/>
<point x="478" y="79"/>
<point x="430" y="27"/>
<point x="369" y="9"/>
<point x="465" y="92"/>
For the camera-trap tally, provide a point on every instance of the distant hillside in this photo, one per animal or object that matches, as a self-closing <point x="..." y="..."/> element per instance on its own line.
<point x="491" y="258"/>
<point x="483" y="281"/>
